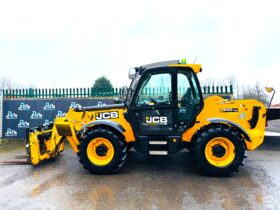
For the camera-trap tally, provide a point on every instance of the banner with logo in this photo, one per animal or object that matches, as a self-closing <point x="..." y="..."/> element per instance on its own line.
<point x="21" y="114"/>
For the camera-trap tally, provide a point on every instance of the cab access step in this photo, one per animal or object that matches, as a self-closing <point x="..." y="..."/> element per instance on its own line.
<point x="155" y="145"/>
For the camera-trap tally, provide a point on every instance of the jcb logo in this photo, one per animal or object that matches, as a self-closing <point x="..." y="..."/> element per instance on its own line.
<point x="106" y="115"/>
<point x="156" y="120"/>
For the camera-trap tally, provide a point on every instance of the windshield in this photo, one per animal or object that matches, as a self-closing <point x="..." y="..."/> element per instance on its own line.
<point x="155" y="90"/>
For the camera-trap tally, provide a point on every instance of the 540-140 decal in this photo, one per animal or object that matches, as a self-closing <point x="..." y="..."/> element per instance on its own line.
<point x="229" y="110"/>
<point x="106" y="115"/>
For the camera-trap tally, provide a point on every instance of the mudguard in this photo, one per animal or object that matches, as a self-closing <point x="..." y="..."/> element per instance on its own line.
<point x="109" y="123"/>
<point x="222" y="120"/>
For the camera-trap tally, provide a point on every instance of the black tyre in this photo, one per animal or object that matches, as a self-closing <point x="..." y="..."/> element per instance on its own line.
<point x="219" y="150"/>
<point x="130" y="146"/>
<point x="102" y="151"/>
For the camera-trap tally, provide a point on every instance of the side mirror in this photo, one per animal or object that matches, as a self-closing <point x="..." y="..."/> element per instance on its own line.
<point x="269" y="90"/>
<point x="132" y="73"/>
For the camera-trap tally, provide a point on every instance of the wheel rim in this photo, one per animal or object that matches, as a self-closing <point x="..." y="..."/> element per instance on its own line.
<point x="100" y="151"/>
<point x="220" y="152"/>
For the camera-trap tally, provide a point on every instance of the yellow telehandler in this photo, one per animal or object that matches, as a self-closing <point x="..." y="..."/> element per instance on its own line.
<point x="163" y="112"/>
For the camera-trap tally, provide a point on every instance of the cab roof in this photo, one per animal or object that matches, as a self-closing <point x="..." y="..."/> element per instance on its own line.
<point x="172" y="63"/>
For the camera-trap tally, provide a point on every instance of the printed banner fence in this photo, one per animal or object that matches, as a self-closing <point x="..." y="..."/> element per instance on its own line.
<point x="18" y="115"/>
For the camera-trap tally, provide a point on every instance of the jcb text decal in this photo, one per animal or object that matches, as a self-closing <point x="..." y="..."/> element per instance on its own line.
<point x="156" y="120"/>
<point x="106" y="115"/>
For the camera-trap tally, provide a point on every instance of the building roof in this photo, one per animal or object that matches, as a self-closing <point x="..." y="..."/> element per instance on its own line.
<point x="275" y="105"/>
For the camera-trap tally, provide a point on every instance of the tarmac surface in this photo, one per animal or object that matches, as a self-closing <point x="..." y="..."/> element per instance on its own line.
<point x="274" y="126"/>
<point x="145" y="182"/>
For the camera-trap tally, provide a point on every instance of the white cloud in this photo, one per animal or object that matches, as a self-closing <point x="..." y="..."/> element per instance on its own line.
<point x="47" y="42"/>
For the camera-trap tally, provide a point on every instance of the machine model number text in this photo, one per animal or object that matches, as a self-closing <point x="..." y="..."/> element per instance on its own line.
<point x="229" y="110"/>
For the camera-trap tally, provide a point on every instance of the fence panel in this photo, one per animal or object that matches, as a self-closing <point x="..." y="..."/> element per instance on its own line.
<point x="93" y="92"/>
<point x="18" y="115"/>
<point x="31" y="107"/>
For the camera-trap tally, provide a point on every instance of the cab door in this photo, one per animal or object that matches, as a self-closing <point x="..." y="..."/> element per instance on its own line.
<point x="189" y="99"/>
<point x="153" y="104"/>
<point x="166" y="101"/>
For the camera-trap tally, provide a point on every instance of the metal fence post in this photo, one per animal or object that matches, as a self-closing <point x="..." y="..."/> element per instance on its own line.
<point x="1" y="113"/>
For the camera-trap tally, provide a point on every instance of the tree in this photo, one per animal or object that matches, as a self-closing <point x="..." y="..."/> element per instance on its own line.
<point x="6" y="83"/>
<point x="256" y="92"/>
<point x="232" y="80"/>
<point x="102" y="83"/>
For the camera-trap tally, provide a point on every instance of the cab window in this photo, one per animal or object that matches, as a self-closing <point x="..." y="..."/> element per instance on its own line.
<point x="187" y="89"/>
<point x="188" y="96"/>
<point x="155" y="90"/>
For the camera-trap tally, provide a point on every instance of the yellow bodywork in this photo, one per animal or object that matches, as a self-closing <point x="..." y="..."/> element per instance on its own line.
<point x="216" y="109"/>
<point x="79" y="119"/>
<point x="236" y="113"/>
<point x="195" y="67"/>
<point x="54" y="146"/>
<point x="67" y="127"/>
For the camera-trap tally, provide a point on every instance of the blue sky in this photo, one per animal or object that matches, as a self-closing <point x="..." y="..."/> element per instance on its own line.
<point x="71" y="43"/>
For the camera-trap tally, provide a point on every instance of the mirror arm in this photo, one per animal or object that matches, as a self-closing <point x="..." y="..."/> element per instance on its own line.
<point x="271" y="99"/>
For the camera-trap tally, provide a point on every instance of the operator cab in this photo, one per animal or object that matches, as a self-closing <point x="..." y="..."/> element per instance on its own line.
<point x="164" y="98"/>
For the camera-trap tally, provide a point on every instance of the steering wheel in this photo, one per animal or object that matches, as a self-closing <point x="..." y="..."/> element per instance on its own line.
<point x="153" y="100"/>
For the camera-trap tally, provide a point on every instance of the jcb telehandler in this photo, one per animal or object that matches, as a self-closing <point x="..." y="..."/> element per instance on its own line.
<point x="171" y="116"/>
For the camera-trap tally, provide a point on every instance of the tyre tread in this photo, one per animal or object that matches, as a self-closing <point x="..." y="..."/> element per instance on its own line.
<point x="210" y="132"/>
<point x="119" y="147"/>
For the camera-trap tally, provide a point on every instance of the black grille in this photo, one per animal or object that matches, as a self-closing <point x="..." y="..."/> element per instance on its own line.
<point x="255" y="117"/>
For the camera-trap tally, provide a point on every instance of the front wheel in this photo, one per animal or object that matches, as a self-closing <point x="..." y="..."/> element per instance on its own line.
<point x="219" y="150"/>
<point x="102" y="151"/>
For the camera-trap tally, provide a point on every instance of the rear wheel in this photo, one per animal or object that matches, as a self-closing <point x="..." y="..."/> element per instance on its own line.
<point x="219" y="150"/>
<point x="102" y="151"/>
